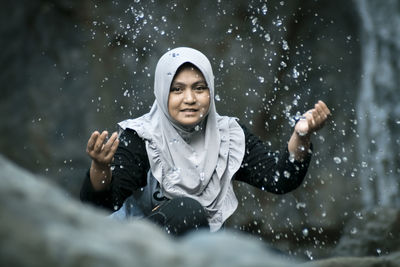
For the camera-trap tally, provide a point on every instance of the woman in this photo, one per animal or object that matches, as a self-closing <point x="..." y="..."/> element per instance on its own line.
<point x="175" y="165"/>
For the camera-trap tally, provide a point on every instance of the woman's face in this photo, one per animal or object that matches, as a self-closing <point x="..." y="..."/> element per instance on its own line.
<point x="189" y="97"/>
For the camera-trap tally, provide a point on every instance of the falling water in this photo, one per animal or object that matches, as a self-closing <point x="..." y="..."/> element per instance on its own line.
<point x="377" y="107"/>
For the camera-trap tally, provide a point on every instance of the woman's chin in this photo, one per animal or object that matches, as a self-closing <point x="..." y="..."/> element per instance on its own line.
<point x="188" y="122"/>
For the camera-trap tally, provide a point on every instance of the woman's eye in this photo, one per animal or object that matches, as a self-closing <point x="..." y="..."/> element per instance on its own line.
<point x="201" y="88"/>
<point x="175" y="89"/>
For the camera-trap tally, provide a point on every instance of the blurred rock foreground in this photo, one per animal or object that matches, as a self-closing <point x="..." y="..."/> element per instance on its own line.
<point x="41" y="226"/>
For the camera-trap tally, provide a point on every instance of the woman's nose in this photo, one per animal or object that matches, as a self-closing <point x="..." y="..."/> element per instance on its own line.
<point x="189" y="96"/>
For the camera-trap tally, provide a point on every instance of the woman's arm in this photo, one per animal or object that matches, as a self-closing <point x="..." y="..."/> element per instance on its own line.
<point x="127" y="172"/>
<point x="281" y="172"/>
<point x="272" y="171"/>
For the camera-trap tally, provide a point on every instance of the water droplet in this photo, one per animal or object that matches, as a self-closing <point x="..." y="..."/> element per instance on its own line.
<point x="285" y="45"/>
<point x="260" y="79"/>
<point x="353" y="231"/>
<point x="337" y="160"/>
<point x="364" y="164"/>
<point x="264" y="9"/>
<point x="295" y="74"/>
<point x="309" y="254"/>
<point x="217" y="97"/>
<point x="305" y="232"/>
<point x="174" y="141"/>
<point x="300" y="205"/>
<point x="286" y="174"/>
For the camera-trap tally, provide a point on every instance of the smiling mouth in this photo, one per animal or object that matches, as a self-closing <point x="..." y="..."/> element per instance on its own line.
<point x="189" y="110"/>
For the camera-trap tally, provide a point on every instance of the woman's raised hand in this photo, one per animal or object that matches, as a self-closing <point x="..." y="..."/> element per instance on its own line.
<point x="102" y="153"/>
<point x="99" y="150"/>
<point x="313" y="120"/>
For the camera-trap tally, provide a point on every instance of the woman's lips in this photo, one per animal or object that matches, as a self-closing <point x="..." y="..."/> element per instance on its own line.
<point x="189" y="111"/>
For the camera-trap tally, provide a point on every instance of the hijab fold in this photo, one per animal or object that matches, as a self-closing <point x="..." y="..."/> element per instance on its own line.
<point x="197" y="162"/>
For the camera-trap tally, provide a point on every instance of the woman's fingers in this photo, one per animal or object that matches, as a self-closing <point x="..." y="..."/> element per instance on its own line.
<point x="110" y="143"/>
<point x="320" y="115"/>
<point x="101" y="151"/>
<point x="113" y="149"/>
<point x="100" y="142"/>
<point x="92" y="141"/>
<point x="324" y="108"/>
<point x="321" y="112"/>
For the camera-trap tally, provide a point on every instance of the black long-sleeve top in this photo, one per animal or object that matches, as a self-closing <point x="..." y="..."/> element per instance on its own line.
<point x="274" y="172"/>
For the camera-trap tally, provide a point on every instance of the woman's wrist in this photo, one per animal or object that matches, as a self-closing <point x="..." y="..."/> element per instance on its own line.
<point x="100" y="175"/>
<point x="299" y="145"/>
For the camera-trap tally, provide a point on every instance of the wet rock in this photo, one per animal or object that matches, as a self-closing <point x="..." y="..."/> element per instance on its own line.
<point x="41" y="226"/>
<point x="392" y="260"/>
<point x="372" y="233"/>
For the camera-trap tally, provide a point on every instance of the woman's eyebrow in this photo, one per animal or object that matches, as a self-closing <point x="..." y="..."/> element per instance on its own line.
<point x="200" y="81"/>
<point x="183" y="84"/>
<point x="177" y="84"/>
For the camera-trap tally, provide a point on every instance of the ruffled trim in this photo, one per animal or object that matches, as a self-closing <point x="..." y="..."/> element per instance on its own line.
<point x="138" y="125"/>
<point x="231" y="156"/>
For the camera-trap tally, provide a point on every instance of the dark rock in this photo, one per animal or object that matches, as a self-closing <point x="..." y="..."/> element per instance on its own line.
<point x="392" y="260"/>
<point x="41" y="226"/>
<point x="372" y="233"/>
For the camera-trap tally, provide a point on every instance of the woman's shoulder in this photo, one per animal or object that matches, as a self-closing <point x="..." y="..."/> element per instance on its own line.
<point x="130" y="136"/>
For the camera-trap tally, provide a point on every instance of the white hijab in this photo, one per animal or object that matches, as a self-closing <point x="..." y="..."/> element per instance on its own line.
<point x="198" y="162"/>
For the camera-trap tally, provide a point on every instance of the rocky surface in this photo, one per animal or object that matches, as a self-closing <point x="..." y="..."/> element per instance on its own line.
<point x="373" y="232"/>
<point x="392" y="260"/>
<point x="41" y="226"/>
